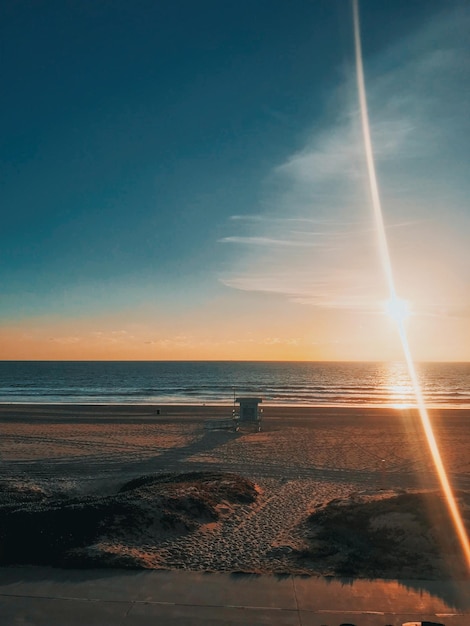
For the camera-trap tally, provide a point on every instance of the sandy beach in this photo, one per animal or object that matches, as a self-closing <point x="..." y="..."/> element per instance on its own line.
<point x="302" y="459"/>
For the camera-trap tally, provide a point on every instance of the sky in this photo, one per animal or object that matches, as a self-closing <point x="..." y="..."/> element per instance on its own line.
<point x="187" y="180"/>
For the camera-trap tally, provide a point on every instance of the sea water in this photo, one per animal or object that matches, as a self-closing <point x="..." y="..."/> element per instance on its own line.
<point x="214" y="382"/>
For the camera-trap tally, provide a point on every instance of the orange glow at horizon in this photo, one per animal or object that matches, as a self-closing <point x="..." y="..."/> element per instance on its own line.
<point x="397" y="310"/>
<point x="223" y="330"/>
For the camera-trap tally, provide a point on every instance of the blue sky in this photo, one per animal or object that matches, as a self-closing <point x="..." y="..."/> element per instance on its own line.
<point x="186" y="180"/>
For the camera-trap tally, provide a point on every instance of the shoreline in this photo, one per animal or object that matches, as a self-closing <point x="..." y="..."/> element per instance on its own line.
<point x="464" y="406"/>
<point x="198" y="408"/>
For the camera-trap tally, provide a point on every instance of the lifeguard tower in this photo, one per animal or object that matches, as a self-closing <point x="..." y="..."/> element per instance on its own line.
<point x="248" y="411"/>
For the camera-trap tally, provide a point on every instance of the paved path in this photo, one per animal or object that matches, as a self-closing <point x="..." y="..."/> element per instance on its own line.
<point x="53" y="597"/>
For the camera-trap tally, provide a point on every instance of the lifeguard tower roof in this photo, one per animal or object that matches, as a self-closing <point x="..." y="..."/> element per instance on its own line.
<point x="248" y="400"/>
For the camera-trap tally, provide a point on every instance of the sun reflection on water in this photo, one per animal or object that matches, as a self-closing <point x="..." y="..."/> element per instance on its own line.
<point x="400" y="397"/>
<point x="399" y="388"/>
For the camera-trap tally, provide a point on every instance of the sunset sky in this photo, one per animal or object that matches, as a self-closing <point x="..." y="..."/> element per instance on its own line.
<point x="186" y="180"/>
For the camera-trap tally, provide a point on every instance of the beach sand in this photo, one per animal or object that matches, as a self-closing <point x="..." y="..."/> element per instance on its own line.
<point x="302" y="459"/>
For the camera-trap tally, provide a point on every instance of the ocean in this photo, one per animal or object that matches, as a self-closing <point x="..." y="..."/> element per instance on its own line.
<point x="217" y="382"/>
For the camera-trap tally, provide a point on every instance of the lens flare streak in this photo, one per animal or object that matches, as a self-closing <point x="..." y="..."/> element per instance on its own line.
<point x="387" y="268"/>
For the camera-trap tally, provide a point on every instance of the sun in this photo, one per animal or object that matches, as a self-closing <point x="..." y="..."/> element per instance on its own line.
<point x="398" y="309"/>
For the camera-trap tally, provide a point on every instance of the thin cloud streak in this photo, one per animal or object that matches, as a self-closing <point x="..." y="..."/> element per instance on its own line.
<point x="287" y="220"/>
<point x="268" y="241"/>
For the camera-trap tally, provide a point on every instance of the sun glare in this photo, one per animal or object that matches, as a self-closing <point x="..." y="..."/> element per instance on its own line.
<point x="398" y="309"/>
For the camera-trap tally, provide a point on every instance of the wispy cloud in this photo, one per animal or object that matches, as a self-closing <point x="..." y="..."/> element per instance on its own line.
<point x="272" y="219"/>
<point x="269" y="241"/>
<point x="315" y="243"/>
<point x="66" y="340"/>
